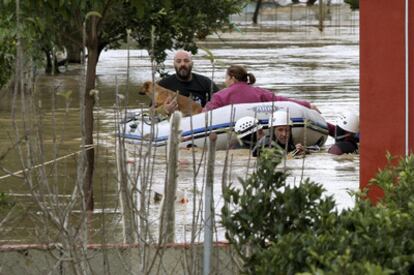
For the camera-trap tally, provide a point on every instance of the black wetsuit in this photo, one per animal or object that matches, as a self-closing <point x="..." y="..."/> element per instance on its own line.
<point x="345" y="142"/>
<point x="198" y="88"/>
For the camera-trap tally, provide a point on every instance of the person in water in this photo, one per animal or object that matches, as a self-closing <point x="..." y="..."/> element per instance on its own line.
<point x="240" y="89"/>
<point x="346" y="134"/>
<point x="248" y="131"/>
<point x="280" y="135"/>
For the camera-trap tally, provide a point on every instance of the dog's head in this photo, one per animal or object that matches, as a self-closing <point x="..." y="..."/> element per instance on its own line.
<point x="146" y="88"/>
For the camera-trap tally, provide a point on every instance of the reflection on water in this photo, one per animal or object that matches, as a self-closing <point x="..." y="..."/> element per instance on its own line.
<point x="293" y="58"/>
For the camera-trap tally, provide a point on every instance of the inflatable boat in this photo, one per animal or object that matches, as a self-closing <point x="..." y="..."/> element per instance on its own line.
<point x="309" y="127"/>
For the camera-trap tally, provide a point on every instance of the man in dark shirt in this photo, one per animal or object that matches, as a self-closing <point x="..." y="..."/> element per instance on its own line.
<point x="196" y="86"/>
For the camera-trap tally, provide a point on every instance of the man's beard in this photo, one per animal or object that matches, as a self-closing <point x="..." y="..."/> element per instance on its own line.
<point x="183" y="73"/>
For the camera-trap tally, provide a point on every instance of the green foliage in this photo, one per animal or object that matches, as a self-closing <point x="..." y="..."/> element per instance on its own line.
<point x="364" y="240"/>
<point x="266" y="209"/>
<point x="7" y="49"/>
<point x="50" y="25"/>
<point x="36" y="35"/>
<point x="402" y="176"/>
<point x="180" y="23"/>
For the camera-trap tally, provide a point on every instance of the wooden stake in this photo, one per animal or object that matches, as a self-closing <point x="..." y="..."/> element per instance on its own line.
<point x="209" y="210"/>
<point x="167" y="225"/>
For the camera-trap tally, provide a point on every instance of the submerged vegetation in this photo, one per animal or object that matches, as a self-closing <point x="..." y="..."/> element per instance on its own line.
<point x="281" y="229"/>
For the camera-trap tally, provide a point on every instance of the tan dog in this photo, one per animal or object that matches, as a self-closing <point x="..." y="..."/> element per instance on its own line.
<point x="185" y="104"/>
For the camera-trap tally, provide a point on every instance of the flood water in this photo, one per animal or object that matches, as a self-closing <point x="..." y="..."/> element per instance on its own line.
<point x="291" y="57"/>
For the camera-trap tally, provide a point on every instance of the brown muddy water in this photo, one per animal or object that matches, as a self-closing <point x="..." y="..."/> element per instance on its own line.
<point x="288" y="56"/>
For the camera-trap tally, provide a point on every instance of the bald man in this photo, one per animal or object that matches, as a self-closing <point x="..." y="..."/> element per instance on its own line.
<point x="195" y="86"/>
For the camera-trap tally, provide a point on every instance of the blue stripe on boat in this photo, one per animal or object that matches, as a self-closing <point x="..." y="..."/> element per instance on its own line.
<point x="221" y="126"/>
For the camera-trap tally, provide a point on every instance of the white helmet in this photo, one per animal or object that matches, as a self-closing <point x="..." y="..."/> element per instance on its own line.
<point x="280" y="118"/>
<point x="247" y="125"/>
<point x="349" y="121"/>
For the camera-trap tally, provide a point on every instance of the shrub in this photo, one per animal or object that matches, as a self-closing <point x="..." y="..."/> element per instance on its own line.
<point x="279" y="229"/>
<point x="266" y="208"/>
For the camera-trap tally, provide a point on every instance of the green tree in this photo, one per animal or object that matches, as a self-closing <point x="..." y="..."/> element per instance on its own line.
<point x="7" y="49"/>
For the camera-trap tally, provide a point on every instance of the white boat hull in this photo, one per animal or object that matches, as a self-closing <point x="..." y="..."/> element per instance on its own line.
<point x="196" y="129"/>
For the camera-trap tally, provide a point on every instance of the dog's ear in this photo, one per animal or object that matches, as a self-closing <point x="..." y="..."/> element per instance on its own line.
<point x="148" y="85"/>
<point x="146" y="88"/>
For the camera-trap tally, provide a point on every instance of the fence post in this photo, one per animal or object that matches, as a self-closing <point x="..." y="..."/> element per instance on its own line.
<point x="167" y="225"/>
<point x="208" y="205"/>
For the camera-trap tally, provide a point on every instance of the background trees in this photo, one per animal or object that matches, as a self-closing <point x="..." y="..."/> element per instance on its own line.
<point x="7" y="49"/>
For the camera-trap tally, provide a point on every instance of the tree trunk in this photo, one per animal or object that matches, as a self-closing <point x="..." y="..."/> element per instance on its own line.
<point x="88" y="120"/>
<point x="321" y="15"/>
<point x="167" y="225"/>
<point x="49" y="66"/>
<point x="256" y="11"/>
<point x="93" y="54"/>
<point x="74" y="52"/>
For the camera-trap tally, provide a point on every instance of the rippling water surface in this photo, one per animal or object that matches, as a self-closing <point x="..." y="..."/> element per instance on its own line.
<point x="291" y="57"/>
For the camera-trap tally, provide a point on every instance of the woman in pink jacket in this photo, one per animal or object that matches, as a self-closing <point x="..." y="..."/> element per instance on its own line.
<point x="240" y="90"/>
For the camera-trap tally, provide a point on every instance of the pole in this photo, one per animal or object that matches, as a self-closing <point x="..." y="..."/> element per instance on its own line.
<point x="208" y="205"/>
<point x="167" y="230"/>
<point x="321" y="15"/>
<point x="407" y="61"/>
